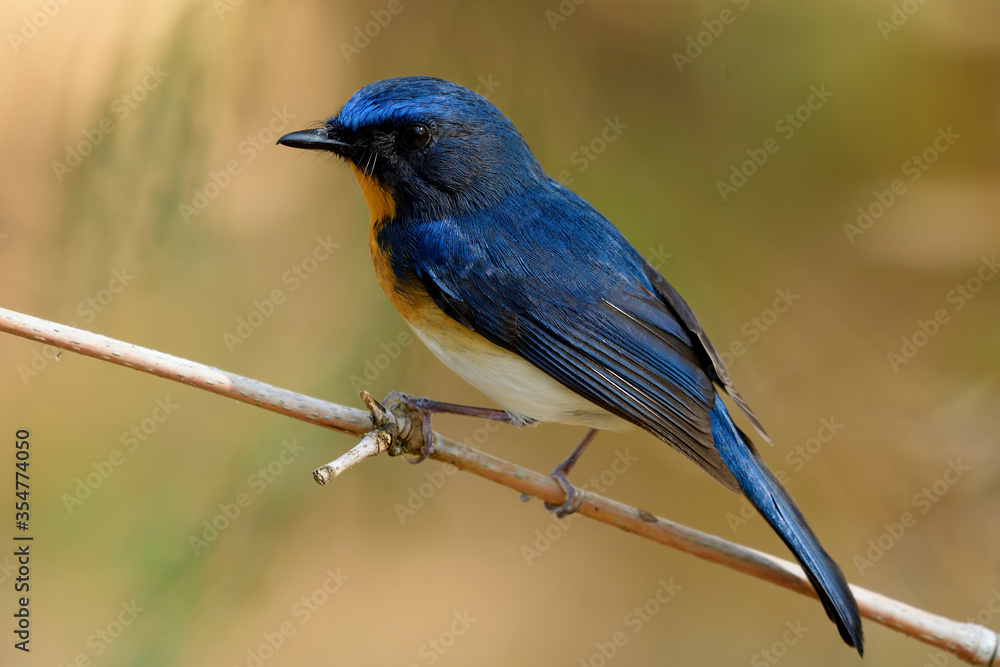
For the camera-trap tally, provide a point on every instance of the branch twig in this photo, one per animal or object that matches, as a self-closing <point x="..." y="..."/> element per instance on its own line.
<point x="972" y="643"/>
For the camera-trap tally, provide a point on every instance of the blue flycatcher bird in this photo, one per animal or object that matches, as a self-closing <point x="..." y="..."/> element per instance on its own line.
<point x="537" y="300"/>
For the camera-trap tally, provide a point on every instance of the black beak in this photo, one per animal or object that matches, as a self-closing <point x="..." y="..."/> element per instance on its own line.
<point x="313" y="140"/>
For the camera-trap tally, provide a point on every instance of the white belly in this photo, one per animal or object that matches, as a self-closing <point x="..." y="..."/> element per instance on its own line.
<point x="519" y="387"/>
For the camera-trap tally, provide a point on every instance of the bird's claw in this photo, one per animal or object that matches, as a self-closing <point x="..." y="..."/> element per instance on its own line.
<point x="574" y="496"/>
<point x="420" y="406"/>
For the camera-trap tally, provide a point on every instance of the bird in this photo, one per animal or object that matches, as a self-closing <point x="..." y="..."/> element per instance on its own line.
<point x="536" y="299"/>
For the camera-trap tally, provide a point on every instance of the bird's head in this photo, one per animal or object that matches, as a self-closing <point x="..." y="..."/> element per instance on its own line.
<point x="426" y="147"/>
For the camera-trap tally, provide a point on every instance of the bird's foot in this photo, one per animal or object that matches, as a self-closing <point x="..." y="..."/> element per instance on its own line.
<point x="574" y="496"/>
<point x="426" y="408"/>
<point x="424" y="411"/>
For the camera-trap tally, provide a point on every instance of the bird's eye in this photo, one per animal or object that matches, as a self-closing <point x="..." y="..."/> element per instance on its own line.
<point x="414" y="136"/>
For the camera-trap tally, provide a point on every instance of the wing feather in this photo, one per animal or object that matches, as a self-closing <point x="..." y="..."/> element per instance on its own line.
<point x="610" y="336"/>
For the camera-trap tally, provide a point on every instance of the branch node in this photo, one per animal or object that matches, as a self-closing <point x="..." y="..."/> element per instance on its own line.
<point x="396" y="430"/>
<point x="379" y="413"/>
<point x="383" y="436"/>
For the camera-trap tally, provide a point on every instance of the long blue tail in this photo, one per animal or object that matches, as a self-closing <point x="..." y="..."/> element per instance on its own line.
<point x="777" y="507"/>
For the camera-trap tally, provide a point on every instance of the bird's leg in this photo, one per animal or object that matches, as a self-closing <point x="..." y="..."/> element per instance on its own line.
<point x="573" y="497"/>
<point x="426" y="407"/>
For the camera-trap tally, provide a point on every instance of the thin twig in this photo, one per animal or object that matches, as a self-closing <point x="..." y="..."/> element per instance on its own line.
<point x="972" y="643"/>
<point x="374" y="442"/>
<point x="269" y="397"/>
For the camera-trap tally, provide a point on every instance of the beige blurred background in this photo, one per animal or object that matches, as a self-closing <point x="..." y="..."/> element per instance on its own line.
<point x="165" y="97"/>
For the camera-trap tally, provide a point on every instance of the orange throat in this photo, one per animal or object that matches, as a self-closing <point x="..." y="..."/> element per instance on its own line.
<point x="382" y="208"/>
<point x="381" y="205"/>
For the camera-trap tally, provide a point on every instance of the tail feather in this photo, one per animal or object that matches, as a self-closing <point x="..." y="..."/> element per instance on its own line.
<point x="779" y="510"/>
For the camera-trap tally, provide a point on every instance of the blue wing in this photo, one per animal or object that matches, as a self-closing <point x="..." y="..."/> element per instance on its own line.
<point x="562" y="288"/>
